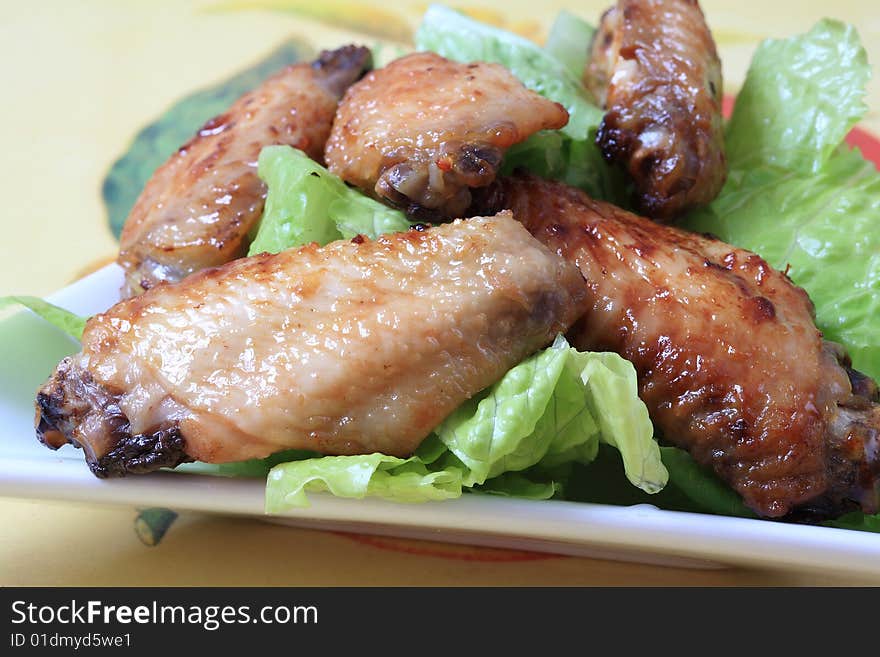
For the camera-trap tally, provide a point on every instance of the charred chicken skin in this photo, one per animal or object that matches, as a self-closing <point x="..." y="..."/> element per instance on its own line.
<point x="422" y="132"/>
<point x="198" y="208"/>
<point x="655" y="70"/>
<point x="356" y="347"/>
<point x="729" y="360"/>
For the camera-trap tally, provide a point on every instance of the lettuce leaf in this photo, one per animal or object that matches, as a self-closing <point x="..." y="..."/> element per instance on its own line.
<point x="553" y="408"/>
<point x="819" y="79"/>
<point x="378" y="475"/>
<point x="612" y="395"/>
<point x="521" y="485"/>
<point x="306" y="203"/>
<point x="555" y="156"/>
<point x="705" y="492"/>
<point x="569" y="42"/>
<point x="855" y="520"/>
<point x="537" y="410"/>
<point x="69" y="322"/>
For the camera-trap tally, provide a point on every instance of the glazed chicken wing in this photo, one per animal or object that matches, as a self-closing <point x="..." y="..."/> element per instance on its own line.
<point x="729" y="360"/>
<point x="655" y="70"/>
<point x="422" y="131"/>
<point x="356" y="347"/>
<point x="197" y="209"/>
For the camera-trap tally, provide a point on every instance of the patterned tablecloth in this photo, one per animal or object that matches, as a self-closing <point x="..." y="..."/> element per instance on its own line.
<point x="80" y="80"/>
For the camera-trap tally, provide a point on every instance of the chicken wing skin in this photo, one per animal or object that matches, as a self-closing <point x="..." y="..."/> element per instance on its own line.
<point x="730" y="363"/>
<point x="351" y="348"/>
<point x="197" y="209"/>
<point x="655" y="70"/>
<point x="422" y="131"/>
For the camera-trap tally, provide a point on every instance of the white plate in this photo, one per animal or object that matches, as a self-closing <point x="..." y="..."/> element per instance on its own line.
<point x="637" y="533"/>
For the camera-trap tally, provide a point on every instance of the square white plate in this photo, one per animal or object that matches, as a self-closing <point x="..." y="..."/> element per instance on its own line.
<point x="31" y="349"/>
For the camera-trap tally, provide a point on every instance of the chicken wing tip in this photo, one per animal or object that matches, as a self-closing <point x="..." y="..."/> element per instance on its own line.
<point x="343" y="66"/>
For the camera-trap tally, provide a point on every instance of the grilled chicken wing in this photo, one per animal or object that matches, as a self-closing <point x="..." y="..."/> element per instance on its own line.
<point x="730" y="363"/>
<point x="423" y="131"/>
<point x="355" y="347"/>
<point x="197" y="209"/>
<point x="655" y="70"/>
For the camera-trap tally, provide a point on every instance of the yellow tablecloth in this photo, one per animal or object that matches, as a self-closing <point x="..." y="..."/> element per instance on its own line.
<point x="79" y="80"/>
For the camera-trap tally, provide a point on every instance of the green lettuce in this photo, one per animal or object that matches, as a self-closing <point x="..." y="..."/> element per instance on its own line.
<point x="552" y="409"/>
<point x="795" y="195"/>
<point x="306" y="203"/>
<point x="377" y="475"/>
<point x="533" y="485"/>
<point x="856" y="520"/>
<point x="704" y="492"/>
<point x="555" y="156"/>
<point x="569" y="41"/>
<point x="69" y="322"/>
<point x="537" y="411"/>
<point x="800" y="98"/>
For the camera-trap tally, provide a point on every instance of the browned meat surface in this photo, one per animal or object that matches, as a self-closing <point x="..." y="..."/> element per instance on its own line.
<point x="655" y="70"/>
<point x="422" y="131"/>
<point x="350" y="348"/>
<point x="730" y="363"/>
<point x="197" y="209"/>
